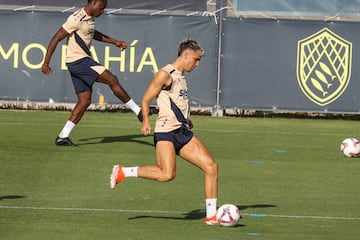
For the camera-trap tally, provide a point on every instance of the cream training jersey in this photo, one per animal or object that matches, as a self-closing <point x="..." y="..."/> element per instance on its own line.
<point x="173" y="103"/>
<point x="81" y="28"/>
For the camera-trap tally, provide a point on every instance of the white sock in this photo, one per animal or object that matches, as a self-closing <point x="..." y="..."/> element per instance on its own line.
<point x="69" y="126"/>
<point x="211" y="207"/>
<point x="130" y="171"/>
<point x="133" y="106"/>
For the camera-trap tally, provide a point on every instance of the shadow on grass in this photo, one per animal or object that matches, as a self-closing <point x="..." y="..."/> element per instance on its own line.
<point x="177" y="218"/>
<point x="11" y="197"/>
<point x="200" y="214"/>
<point x="242" y="207"/>
<point x="112" y="139"/>
<point x="193" y="215"/>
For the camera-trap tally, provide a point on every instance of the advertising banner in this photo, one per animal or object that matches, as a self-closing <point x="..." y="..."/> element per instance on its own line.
<point x="185" y="5"/>
<point x="152" y="43"/>
<point x="297" y="7"/>
<point x="265" y="64"/>
<point x="290" y="65"/>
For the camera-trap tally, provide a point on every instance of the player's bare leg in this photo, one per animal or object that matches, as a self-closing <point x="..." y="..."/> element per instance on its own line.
<point x="84" y="100"/>
<point x="196" y="153"/>
<point x="164" y="171"/>
<point x="166" y="164"/>
<point x="112" y="81"/>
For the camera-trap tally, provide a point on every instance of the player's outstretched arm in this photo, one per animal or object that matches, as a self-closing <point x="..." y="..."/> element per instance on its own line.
<point x="104" y="38"/>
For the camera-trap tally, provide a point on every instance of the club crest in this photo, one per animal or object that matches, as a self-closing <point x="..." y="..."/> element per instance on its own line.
<point x="323" y="66"/>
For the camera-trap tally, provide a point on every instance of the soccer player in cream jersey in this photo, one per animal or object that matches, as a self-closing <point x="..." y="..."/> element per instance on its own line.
<point x="79" y="29"/>
<point x="172" y="134"/>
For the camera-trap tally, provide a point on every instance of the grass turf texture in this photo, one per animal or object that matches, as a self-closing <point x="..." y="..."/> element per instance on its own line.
<point x="287" y="176"/>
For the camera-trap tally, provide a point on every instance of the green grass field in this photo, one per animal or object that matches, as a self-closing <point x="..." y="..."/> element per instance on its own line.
<point x="287" y="176"/>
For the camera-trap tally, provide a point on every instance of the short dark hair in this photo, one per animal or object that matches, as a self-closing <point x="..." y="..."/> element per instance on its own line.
<point x="189" y="44"/>
<point x="89" y="1"/>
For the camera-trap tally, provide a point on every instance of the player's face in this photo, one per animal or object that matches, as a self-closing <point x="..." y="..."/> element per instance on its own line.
<point x="192" y="59"/>
<point x="99" y="7"/>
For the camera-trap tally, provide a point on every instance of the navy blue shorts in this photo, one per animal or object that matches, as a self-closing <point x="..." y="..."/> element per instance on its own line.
<point x="179" y="137"/>
<point x="84" y="72"/>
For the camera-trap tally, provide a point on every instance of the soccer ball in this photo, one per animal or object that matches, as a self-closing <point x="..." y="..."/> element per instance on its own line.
<point x="228" y="215"/>
<point x="350" y="147"/>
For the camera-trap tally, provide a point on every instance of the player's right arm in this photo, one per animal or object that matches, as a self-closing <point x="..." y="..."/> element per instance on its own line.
<point x="71" y="24"/>
<point x="160" y="80"/>
<point x="59" y="35"/>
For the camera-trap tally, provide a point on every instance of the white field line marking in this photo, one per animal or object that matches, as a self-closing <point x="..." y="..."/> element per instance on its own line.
<point x="270" y="132"/>
<point x="306" y="217"/>
<point x="164" y="212"/>
<point x="60" y="124"/>
<point x="89" y="209"/>
<point x="196" y="129"/>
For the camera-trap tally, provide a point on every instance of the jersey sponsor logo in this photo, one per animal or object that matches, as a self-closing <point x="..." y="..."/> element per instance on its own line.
<point x="323" y="68"/>
<point x="183" y="93"/>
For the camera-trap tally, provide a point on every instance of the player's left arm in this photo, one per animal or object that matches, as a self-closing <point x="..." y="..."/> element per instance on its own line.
<point x="104" y="38"/>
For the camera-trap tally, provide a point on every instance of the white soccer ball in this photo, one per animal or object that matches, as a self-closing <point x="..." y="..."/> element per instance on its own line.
<point x="228" y="215"/>
<point x="350" y="147"/>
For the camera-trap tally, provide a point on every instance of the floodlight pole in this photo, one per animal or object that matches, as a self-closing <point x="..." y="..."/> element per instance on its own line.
<point x="220" y="9"/>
